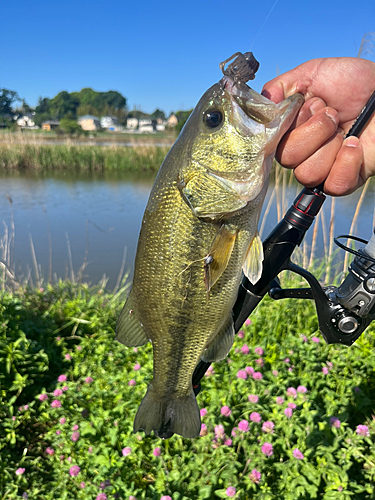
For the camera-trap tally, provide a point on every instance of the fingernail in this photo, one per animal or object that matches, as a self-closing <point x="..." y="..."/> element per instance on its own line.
<point x="265" y="93"/>
<point x="315" y="107"/>
<point x="352" y="141"/>
<point x="333" y="115"/>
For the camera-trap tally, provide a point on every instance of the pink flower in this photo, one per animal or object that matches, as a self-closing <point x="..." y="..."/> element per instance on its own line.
<point x="68" y="357"/>
<point x="245" y="349"/>
<point x="259" y="351"/>
<point x="231" y="491"/>
<point x="203" y="412"/>
<point x="275" y="373"/>
<point x="259" y="362"/>
<point x="241" y="334"/>
<point x="255" y="476"/>
<point x="132" y="382"/>
<point x="219" y="432"/>
<point x="249" y="370"/>
<point x="135" y="349"/>
<point x="268" y="427"/>
<point x="65" y="388"/>
<point x="267" y="449"/>
<point x="82" y="485"/>
<point x="243" y="426"/>
<point x="156" y="452"/>
<point x="88" y="380"/>
<point x="50" y="451"/>
<point x="293" y="406"/>
<point x="90" y="449"/>
<point x="257" y="376"/>
<point x="255" y="417"/>
<point x="75" y="427"/>
<point x="56" y="403"/>
<point x="58" y="432"/>
<point x="298" y="454"/>
<point x="316" y="340"/>
<point x="62" y="378"/>
<point x="126" y="451"/>
<point x="226" y="411"/>
<point x="74" y="470"/>
<point x="242" y="374"/>
<point x="335" y="422"/>
<point x="286" y="360"/>
<point x="75" y="436"/>
<point x="57" y="392"/>
<point x="62" y="420"/>
<point x="288" y="412"/>
<point x="362" y="430"/>
<point x="279" y="400"/>
<point x="43" y="397"/>
<point x="291" y="392"/>
<point x="330" y="364"/>
<point x="203" y="431"/>
<point x="301" y="389"/>
<point x="20" y="471"/>
<point x="247" y="322"/>
<point x="136" y="367"/>
<point x="228" y="442"/>
<point x="253" y="398"/>
<point x="325" y="370"/>
<point x="102" y="496"/>
<point x="164" y="497"/>
<point x="78" y="347"/>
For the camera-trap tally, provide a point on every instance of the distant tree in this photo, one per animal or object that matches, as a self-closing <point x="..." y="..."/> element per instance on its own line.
<point x="43" y="105"/>
<point x="62" y="104"/>
<point x="182" y="117"/>
<point x="39" y="118"/>
<point x="7" y="98"/>
<point x="158" y="114"/>
<point x="70" y="127"/>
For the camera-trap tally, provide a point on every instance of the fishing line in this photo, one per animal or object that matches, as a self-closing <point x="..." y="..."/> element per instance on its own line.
<point x="268" y="15"/>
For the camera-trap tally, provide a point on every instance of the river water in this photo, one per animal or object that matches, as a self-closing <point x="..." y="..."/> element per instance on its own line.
<point x="100" y="215"/>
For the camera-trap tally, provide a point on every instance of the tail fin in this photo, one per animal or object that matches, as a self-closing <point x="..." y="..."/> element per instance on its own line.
<point x="179" y="415"/>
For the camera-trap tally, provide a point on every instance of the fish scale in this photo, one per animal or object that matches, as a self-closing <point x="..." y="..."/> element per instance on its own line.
<point x="198" y="233"/>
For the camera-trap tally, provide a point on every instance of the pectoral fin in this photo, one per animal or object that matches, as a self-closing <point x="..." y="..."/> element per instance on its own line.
<point x="129" y="330"/>
<point x="218" y="257"/>
<point x="252" y="266"/>
<point x="220" y="346"/>
<point x="209" y="196"/>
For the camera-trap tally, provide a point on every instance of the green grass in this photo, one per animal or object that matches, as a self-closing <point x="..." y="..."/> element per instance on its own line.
<point x="43" y="158"/>
<point x="69" y="330"/>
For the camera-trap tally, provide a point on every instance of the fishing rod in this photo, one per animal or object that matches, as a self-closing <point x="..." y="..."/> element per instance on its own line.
<point x="344" y="312"/>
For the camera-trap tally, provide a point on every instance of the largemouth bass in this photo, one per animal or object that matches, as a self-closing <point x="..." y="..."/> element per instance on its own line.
<point x="199" y="231"/>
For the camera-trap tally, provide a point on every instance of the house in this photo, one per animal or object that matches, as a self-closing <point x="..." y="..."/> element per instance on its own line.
<point x="109" y="122"/>
<point x="172" y="120"/>
<point x="50" y="125"/>
<point x="25" y="121"/>
<point x="89" y="122"/>
<point x="132" y="123"/>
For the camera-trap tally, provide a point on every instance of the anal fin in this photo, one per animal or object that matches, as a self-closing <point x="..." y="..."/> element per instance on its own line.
<point x="129" y="330"/>
<point x="220" y="346"/>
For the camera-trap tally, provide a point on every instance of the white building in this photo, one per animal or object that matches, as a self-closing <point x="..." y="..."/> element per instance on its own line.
<point x="109" y="122"/>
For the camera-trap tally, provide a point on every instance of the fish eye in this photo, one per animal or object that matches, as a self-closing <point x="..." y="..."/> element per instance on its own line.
<point x="213" y="118"/>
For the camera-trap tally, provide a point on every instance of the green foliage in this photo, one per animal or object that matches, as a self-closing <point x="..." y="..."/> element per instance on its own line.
<point x="74" y="104"/>
<point x="70" y="127"/>
<point x="49" y="424"/>
<point x="7" y="98"/>
<point x="182" y="117"/>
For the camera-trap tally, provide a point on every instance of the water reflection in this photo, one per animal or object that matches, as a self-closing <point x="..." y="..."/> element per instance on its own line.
<point x="102" y="213"/>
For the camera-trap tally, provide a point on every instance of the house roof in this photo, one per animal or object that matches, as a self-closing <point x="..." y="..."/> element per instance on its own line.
<point x="88" y="117"/>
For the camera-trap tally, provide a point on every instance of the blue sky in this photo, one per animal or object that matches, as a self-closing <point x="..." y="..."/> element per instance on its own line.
<point x="165" y="54"/>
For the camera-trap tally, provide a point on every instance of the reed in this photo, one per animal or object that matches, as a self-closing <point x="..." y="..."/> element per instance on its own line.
<point x="41" y="157"/>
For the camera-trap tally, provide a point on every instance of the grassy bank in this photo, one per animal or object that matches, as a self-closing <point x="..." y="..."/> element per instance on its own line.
<point x="41" y="157"/>
<point x="300" y="428"/>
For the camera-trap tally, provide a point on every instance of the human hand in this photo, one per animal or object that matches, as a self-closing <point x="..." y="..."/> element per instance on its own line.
<point x="335" y="90"/>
